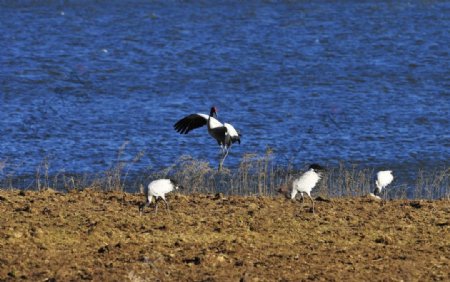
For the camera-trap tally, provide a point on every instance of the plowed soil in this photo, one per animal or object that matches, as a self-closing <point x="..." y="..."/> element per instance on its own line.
<point x="91" y="235"/>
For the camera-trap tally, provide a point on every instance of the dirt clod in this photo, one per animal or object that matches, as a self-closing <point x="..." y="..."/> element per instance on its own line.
<point x="103" y="249"/>
<point x="195" y="260"/>
<point x="416" y="204"/>
<point x="26" y="208"/>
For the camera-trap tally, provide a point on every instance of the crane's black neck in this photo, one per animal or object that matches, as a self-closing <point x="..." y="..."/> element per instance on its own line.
<point x="213" y="112"/>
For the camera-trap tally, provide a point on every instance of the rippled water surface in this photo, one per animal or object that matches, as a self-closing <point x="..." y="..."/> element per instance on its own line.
<point x="324" y="81"/>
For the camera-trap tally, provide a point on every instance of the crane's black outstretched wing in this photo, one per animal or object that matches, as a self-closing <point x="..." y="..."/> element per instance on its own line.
<point x="190" y="122"/>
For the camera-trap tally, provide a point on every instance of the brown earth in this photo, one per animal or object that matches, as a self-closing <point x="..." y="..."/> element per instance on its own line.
<point x="100" y="236"/>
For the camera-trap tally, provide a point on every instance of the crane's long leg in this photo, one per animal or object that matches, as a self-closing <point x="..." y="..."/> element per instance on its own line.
<point x="167" y="205"/>
<point x="226" y="154"/>
<point x="223" y="159"/>
<point x="156" y="205"/>
<point x="311" y="201"/>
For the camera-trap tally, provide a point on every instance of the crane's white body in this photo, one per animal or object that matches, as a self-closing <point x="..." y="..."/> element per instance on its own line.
<point x="158" y="189"/>
<point x="305" y="183"/>
<point x="231" y="131"/>
<point x="383" y="179"/>
<point x="213" y="124"/>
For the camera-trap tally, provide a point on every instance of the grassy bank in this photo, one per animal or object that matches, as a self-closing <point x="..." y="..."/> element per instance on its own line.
<point x="98" y="235"/>
<point x="255" y="175"/>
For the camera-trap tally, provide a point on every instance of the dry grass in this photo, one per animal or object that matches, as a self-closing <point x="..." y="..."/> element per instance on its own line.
<point x="433" y="184"/>
<point x="255" y="175"/>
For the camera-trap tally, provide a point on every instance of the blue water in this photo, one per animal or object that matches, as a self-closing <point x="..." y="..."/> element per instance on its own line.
<point x="326" y="81"/>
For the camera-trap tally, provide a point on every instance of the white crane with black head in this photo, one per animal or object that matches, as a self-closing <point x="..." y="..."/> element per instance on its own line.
<point x="224" y="133"/>
<point x="382" y="180"/>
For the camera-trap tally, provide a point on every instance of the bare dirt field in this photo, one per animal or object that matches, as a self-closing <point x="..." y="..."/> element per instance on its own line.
<point x="91" y="235"/>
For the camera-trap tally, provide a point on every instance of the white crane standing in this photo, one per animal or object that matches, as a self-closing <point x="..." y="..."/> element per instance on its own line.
<point x="306" y="182"/>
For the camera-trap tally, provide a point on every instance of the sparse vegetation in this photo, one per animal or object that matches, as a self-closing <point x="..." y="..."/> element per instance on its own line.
<point x="255" y="175"/>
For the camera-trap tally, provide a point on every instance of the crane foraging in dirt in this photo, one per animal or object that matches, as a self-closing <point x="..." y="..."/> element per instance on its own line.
<point x="158" y="189"/>
<point x="305" y="183"/>
<point x="383" y="179"/>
